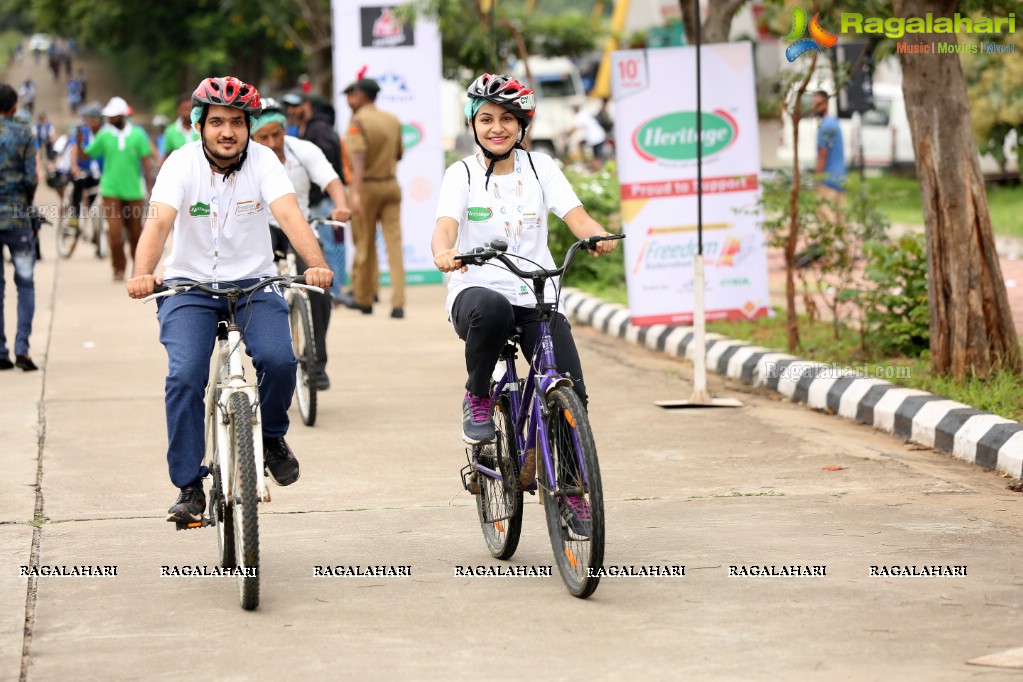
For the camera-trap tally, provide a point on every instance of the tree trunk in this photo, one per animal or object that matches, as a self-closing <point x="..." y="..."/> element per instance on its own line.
<point x="971" y="326"/>
<point x="717" y="22"/>
<point x="791" y="321"/>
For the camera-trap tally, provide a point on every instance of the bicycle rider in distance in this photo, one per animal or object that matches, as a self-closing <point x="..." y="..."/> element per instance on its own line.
<point x="214" y="193"/>
<point x="503" y="193"/>
<point x="305" y="164"/>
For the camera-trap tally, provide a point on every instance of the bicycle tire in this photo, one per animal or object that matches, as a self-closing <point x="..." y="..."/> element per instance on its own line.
<point x="304" y="345"/>
<point x="99" y="230"/>
<point x="222" y="517"/>
<point x="67" y="236"/>
<point x="244" y="512"/>
<point x="499" y="503"/>
<point x="571" y="444"/>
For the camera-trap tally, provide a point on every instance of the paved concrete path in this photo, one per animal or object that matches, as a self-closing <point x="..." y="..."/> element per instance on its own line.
<point x="85" y="483"/>
<point x="379" y="487"/>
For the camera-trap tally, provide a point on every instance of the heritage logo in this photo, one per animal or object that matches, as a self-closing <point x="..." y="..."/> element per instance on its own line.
<point x="411" y="135"/>
<point x="198" y="209"/>
<point x="479" y="214"/>
<point x="672" y="137"/>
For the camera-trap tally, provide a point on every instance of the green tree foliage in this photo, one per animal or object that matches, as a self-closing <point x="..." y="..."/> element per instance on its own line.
<point x="165" y="47"/>
<point x="995" y="84"/>
<point x="471" y="41"/>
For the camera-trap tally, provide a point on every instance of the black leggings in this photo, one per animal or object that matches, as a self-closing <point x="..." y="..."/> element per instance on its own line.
<point x="484" y="319"/>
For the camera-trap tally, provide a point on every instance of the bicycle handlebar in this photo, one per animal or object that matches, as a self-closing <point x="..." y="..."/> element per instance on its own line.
<point x="180" y="287"/>
<point x="498" y="247"/>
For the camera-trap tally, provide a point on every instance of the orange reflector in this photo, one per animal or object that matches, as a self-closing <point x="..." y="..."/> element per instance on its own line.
<point x="569" y="419"/>
<point x="499" y="526"/>
<point x="195" y="524"/>
<point x="571" y="558"/>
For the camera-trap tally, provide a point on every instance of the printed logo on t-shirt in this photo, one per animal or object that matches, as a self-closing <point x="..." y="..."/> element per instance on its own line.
<point x="247" y="207"/>
<point x="198" y="209"/>
<point x="530" y="221"/>
<point x="479" y="214"/>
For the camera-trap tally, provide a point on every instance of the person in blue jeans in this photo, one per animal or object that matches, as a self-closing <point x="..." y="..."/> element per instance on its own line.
<point x="216" y="193"/>
<point x="18" y="182"/>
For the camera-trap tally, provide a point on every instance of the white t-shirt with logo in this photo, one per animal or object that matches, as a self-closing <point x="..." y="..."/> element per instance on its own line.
<point x="240" y="246"/>
<point x="305" y="164"/>
<point x="511" y="208"/>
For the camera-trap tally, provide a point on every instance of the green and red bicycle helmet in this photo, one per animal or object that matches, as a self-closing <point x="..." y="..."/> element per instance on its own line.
<point x="227" y="91"/>
<point x="503" y="91"/>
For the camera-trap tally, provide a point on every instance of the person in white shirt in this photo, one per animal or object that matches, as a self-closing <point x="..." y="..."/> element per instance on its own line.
<point x="504" y="192"/>
<point x="215" y="193"/>
<point x="594" y="135"/>
<point x="305" y="164"/>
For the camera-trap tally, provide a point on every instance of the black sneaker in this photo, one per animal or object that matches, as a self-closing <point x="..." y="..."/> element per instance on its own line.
<point x="25" y="362"/>
<point x="190" y="505"/>
<point x="321" y="381"/>
<point x="280" y="461"/>
<point x="477" y="425"/>
<point x="5" y="363"/>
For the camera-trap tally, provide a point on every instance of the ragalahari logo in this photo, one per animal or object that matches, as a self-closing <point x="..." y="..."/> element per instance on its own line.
<point x="819" y="37"/>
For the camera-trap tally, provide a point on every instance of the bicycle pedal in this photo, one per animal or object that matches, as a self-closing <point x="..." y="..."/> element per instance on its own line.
<point x="189" y="525"/>
<point x="470" y="480"/>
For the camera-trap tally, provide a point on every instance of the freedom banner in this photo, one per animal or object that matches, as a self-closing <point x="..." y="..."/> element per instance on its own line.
<point x="655" y="129"/>
<point x="406" y="61"/>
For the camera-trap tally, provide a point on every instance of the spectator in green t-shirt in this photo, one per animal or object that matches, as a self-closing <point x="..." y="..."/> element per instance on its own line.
<point x="180" y="131"/>
<point x="126" y="153"/>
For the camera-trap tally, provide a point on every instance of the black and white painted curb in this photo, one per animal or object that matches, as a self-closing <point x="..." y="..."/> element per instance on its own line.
<point x="981" y="438"/>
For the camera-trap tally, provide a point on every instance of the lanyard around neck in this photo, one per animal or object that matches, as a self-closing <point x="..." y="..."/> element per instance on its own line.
<point x="219" y="208"/>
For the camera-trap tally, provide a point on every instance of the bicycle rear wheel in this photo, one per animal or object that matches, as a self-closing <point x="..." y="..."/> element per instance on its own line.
<point x="67" y="234"/>
<point x="499" y="503"/>
<point x="573" y="497"/>
<point x="99" y="230"/>
<point x="222" y="516"/>
<point x="246" y="521"/>
<point x="305" y="352"/>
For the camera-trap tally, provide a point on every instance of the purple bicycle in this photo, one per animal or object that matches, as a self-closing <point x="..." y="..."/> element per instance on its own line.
<point x="543" y="442"/>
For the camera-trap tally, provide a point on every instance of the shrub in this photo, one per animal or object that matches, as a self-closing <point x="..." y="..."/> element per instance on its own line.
<point x="600" y="197"/>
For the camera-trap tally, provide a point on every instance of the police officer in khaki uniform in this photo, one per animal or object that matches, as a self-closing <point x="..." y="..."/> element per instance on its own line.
<point x="374" y="147"/>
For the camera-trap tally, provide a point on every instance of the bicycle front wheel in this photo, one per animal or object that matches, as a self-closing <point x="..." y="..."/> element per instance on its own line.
<point x="305" y="352"/>
<point x="572" y="493"/>
<point x="499" y="502"/>
<point x="246" y="521"/>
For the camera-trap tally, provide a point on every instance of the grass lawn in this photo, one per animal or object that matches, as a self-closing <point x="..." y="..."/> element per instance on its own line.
<point x="899" y="199"/>
<point x="9" y="39"/>
<point x="1001" y="394"/>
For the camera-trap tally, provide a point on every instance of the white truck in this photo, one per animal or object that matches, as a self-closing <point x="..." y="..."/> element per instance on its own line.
<point x="559" y="89"/>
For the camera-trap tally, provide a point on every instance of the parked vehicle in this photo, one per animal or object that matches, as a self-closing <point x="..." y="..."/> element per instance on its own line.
<point x="559" y="88"/>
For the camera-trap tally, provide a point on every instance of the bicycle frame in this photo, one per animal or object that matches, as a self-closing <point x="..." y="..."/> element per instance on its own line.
<point x="528" y="408"/>
<point x="227" y="378"/>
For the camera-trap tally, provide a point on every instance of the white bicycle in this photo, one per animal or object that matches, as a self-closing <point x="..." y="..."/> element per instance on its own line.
<point x="303" y="337"/>
<point x="89" y="224"/>
<point x="234" y="439"/>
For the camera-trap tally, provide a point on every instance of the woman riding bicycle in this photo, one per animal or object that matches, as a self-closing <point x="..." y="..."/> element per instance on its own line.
<point x="215" y="193"/>
<point x="503" y="193"/>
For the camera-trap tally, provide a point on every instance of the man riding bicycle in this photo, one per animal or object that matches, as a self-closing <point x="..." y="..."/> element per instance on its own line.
<point x="86" y="172"/>
<point x="305" y="164"/>
<point x="214" y="193"/>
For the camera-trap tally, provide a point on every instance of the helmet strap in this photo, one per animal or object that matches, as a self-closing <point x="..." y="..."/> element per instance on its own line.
<point x="494" y="158"/>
